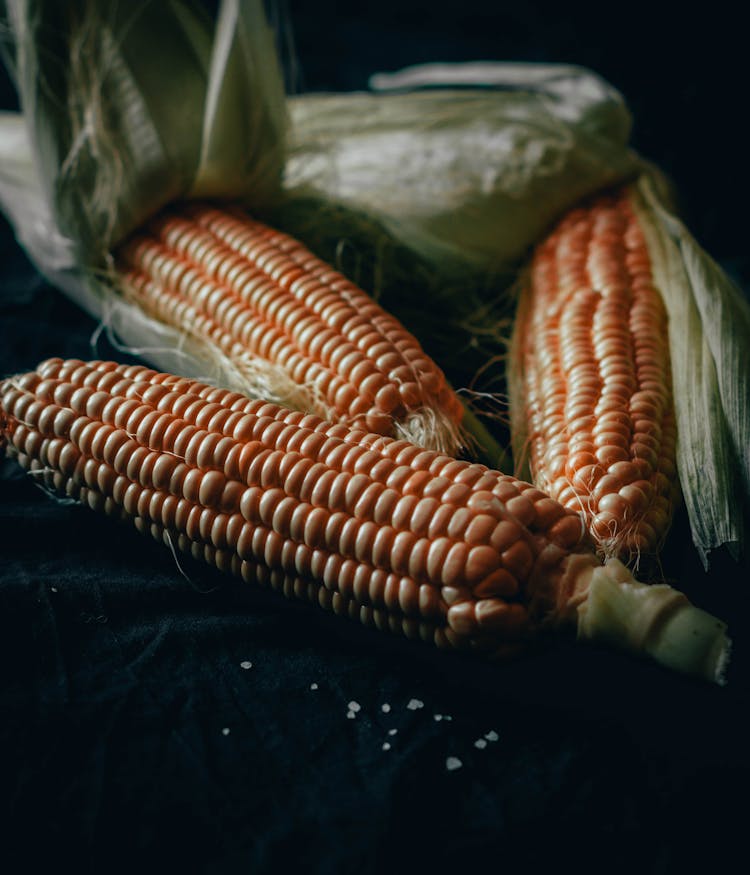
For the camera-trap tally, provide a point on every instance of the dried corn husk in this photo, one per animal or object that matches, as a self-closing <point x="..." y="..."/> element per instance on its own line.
<point x="131" y="106"/>
<point x="709" y="339"/>
<point x="467" y="175"/>
<point x="128" y="327"/>
<point x="157" y="102"/>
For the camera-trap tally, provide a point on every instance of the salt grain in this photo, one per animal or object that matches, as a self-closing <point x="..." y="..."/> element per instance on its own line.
<point x="225" y="730"/>
<point x="351" y="715"/>
<point x="313" y="686"/>
<point x="480" y="743"/>
<point x="414" y="704"/>
<point x="386" y="745"/>
<point x="437" y="717"/>
<point x="453" y="763"/>
<point x="491" y="735"/>
<point x="354" y="706"/>
<point x="392" y="731"/>
<point x="246" y="664"/>
<point x="53" y="588"/>
<point x="385" y="707"/>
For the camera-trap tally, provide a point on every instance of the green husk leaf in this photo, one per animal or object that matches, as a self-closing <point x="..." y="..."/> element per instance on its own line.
<point x="709" y="337"/>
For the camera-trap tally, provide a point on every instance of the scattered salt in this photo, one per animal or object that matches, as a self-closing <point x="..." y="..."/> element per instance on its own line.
<point x="437" y="717"/>
<point x="414" y="704"/>
<point x="386" y="745"/>
<point x="313" y="686"/>
<point x="53" y="588"/>
<point x="453" y="763"/>
<point x="385" y="707"/>
<point x="354" y="706"/>
<point x="351" y="715"/>
<point x="480" y="743"/>
<point x="225" y="730"/>
<point x="246" y="664"/>
<point x="491" y="735"/>
<point x="392" y="731"/>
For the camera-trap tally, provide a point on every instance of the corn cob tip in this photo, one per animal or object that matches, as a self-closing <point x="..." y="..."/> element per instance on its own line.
<point x="432" y="429"/>
<point x="653" y="620"/>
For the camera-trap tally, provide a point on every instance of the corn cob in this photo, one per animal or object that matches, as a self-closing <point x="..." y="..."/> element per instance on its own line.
<point x="367" y="526"/>
<point x="257" y="294"/>
<point x="591" y="395"/>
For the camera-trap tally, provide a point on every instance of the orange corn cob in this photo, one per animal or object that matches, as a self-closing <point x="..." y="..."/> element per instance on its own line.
<point x="256" y="293"/>
<point x="370" y="527"/>
<point x="591" y="398"/>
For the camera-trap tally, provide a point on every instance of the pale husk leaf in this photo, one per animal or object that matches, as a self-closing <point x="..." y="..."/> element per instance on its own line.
<point x="709" y="337"/>
<point x="131" y="106"/>
<point x="23" y="201"/>
<point x="466" y="176"/>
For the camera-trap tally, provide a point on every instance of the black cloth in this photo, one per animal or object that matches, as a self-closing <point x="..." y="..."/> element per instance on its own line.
<point x="156" y="716"/>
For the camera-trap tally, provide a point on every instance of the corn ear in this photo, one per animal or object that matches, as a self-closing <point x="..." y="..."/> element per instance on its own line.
<point x="708" y="328"/>
<point x="591" y="396"/>
<point x="369" y="527"/>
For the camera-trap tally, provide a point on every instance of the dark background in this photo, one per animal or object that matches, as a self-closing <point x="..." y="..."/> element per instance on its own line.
<point x="119" y="675"/>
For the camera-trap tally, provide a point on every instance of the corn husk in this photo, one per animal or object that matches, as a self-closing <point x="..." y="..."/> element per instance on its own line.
<point x="127" y="326"/>
<point x="470" y="173"/>
<point x="709" y="341"/>
<point x="129" y="107"/>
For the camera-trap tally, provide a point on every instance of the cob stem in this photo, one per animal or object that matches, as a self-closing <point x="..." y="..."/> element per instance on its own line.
<point x="654" y="620"/>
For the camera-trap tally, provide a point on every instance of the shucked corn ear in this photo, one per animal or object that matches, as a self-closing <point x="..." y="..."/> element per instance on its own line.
<point x="591" y="404"/>
<point x="370" y="527"/>
<point x="296" y="328"/>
